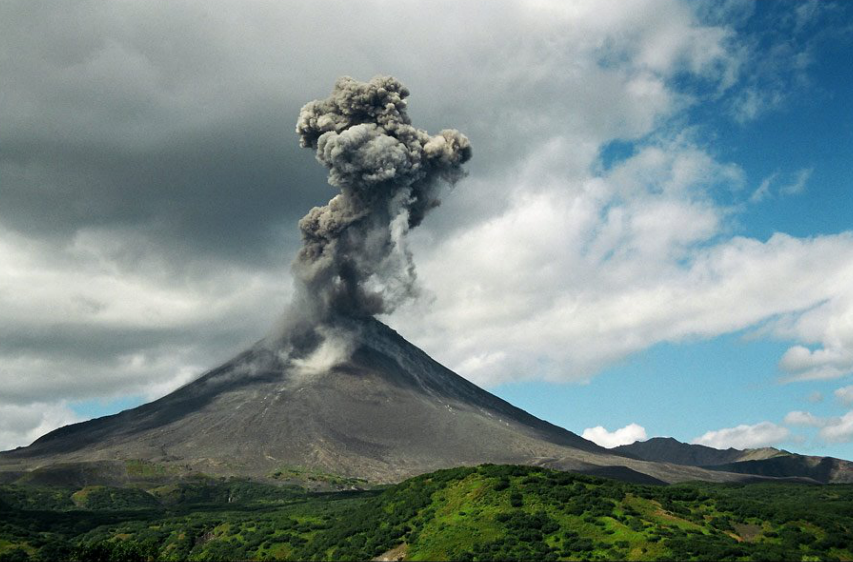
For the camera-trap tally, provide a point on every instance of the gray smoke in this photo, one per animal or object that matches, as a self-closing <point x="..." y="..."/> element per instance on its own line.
<point x="354" y="261"/>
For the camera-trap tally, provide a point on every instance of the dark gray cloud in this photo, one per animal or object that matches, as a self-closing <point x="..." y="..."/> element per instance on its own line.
<point x="132" y="118"/>
<point x="172" y="121"/>
<point x="196" y="196"/>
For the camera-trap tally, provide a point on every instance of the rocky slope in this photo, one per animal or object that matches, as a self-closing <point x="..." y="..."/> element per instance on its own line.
<point x="365" y="404"/>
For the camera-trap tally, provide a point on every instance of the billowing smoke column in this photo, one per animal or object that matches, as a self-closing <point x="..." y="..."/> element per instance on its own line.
<point x="354" y="261"/>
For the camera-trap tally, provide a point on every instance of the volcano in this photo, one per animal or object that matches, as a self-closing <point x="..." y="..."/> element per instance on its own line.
<point x="382" y="411"/>
<point x="335" y="390"/>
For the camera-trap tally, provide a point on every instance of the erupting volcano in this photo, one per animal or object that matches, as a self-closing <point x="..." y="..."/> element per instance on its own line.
<point x="331" y="388"/>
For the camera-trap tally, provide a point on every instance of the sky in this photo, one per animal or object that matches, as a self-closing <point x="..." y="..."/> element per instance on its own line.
<point x="654" y="237"/>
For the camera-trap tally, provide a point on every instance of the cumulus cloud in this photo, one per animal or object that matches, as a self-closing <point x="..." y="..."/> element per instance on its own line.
<point x="827" y="328"/>
<point x="764" y="434"/>
<point x="833" y="429"/>
<point x="622" y="436"/>
<point x="803" y="419"/>
<point x="838" y="429"/>
<point x="583" y="275"/>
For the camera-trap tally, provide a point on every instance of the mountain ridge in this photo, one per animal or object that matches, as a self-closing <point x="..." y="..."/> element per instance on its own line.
<point x="765" y="461"/>
<point x="668" y="449"/>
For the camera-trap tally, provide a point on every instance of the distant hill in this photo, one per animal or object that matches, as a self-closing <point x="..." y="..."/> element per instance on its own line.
<point x="766" y="461"/>
<point x="826" y="470"/>
<point x="667" y="449"/>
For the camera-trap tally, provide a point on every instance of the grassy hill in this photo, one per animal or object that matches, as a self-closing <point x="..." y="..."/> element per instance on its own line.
<point x="483" y="513"/>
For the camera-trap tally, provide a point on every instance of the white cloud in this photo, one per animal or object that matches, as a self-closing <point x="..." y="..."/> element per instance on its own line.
<point x="815" y="397"/>
<point x="803" y="419"/>
<point x="845" y="395"/>
<point x="827" y="327"/>
<point x="623" y="436"/>
<point x="579" y="274"/>
<point x="807" y="364"/>
<point x="764" y="434"/>
<point x="838" y="430"/>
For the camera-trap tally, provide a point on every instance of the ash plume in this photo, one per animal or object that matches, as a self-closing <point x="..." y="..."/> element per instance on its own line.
<point x="354" y="261"/>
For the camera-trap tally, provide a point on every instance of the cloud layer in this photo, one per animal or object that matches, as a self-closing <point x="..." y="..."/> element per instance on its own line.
<point x="576" y="277"/>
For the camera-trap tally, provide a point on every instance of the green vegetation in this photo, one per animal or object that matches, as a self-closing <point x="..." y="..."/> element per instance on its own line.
<point x="483" y="513"/>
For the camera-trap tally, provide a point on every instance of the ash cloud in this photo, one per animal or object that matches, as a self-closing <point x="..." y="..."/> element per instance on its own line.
<point x="354" y="261"/>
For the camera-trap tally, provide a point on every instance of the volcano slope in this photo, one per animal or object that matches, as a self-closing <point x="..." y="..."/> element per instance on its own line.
<point x="365" y="403"/>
